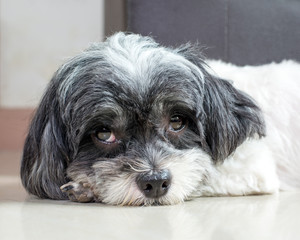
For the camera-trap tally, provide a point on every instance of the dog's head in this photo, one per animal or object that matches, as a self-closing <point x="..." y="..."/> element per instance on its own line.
<point x="143" y="122"/>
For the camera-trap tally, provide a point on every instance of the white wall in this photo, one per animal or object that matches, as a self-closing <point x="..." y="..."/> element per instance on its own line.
<point x="36" y="37"/>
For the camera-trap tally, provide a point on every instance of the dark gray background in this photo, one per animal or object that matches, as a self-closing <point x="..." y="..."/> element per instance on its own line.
<point x="244" y="32"/>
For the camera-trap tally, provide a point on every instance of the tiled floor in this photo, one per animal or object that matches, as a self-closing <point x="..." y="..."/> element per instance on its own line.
<point x="253" y="217"/>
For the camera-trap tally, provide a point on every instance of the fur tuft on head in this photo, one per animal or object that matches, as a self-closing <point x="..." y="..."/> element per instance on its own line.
<point x="128" y="107"/>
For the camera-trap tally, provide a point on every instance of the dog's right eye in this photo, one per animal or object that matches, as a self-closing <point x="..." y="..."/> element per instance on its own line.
<point x="105" y="135"/>
<point x="107" y="141"/>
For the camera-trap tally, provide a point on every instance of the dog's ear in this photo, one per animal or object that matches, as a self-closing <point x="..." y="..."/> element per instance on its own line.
<point x="45" y="154"/>
<point x="229" y="116"/>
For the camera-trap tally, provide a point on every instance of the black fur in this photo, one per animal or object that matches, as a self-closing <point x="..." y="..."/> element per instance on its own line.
<point x="92" y="90"/>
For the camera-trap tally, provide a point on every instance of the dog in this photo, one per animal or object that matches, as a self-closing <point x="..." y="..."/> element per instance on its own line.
<point x="131" y="122"/>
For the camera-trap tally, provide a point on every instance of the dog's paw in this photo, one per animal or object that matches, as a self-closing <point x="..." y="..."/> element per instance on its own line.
<point x="78" y="192"/>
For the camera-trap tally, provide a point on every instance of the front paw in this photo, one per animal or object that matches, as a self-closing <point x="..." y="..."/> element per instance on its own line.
<point x="78" y="192"/>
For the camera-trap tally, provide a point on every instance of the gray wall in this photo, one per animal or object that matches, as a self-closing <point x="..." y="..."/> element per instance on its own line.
<point x="239" y="31"/>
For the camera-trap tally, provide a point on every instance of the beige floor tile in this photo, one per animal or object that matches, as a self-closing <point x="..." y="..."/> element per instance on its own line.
<point x="252" y="217"/>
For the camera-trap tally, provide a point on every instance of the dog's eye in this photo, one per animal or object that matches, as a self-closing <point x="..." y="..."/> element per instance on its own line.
<point x="105" y="135"/>
<point x="177" y="123"/>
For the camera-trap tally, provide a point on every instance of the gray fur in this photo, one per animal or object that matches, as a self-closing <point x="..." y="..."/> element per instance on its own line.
<point x="132" y="85"/>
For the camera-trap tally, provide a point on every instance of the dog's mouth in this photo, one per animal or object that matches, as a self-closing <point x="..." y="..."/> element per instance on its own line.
<point x="162" y="201"/>
<point x="154" y="202"/>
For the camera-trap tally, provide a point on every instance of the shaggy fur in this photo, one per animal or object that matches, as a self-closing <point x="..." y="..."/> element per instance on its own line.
<point x="276" y="88"/>
<point x="133" y="123"/>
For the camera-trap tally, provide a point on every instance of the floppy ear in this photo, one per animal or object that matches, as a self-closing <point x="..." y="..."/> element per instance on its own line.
<point x="229" y="116"/>
<point x="45" y="155"/>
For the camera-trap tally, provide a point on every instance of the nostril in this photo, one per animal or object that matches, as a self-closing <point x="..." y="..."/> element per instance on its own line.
<point x="148" y="187"/>
<point x="165" y="185"/>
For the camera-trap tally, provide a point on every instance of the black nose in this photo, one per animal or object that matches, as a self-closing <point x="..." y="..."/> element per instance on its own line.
<point x="154" y="185"/>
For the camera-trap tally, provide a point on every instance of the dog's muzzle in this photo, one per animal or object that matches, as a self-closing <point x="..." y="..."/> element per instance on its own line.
<point x="154" y="185"/>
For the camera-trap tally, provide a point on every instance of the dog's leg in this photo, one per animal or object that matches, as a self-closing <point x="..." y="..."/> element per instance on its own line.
<point x="78" y="192"/>
<point x="81" y="186"/>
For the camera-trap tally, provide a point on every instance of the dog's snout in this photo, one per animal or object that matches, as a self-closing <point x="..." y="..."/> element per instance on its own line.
<point x="154" y="185"/>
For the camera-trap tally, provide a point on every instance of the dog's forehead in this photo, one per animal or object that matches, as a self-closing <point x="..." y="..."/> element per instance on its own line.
<point x="145" y="76"/>
<point x="145" y="69"/>
<point x="132" y="76"/>
<point x="160" y="91"/>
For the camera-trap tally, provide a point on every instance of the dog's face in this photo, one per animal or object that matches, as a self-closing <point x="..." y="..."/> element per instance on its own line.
<point x="142" y="123"/>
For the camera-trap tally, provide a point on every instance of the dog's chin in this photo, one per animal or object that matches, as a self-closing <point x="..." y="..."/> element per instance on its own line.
<point x="188" y="168"/>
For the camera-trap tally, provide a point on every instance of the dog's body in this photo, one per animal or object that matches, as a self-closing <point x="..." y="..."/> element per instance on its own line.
<point x="131" y="122"/>
<point x="275" y="87"/>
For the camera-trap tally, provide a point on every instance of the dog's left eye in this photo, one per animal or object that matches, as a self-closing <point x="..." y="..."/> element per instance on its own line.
<point x="105" y="135"/>
<point x="177" y="123"/>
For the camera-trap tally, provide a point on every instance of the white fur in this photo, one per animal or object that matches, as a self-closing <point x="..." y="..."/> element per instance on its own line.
<point x="250" y="170"/>
<point x="188" y="168"/>
<point x="276" y="88"/>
